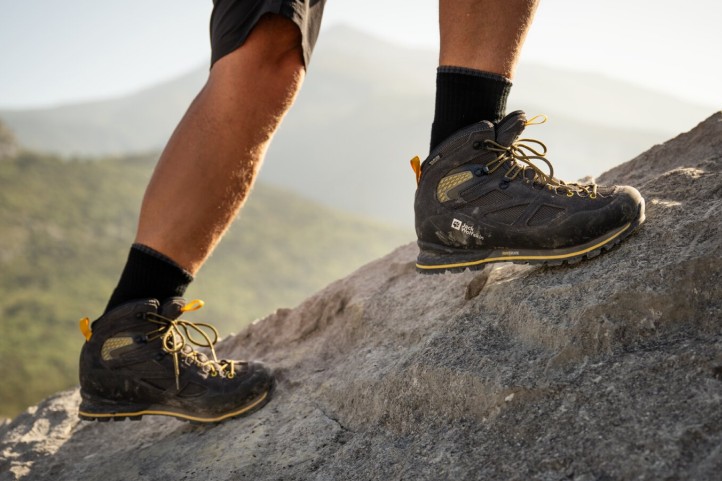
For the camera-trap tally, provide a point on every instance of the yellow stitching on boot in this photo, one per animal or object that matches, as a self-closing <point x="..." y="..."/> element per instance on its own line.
<point x="526" y="257"/>
<point x="216" y="419"/>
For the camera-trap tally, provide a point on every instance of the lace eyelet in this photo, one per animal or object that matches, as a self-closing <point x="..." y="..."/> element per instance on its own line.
<point x="592" y="196"/>
<point x="504" y="184"/>
<point x="570" y="193"/>
<point x="477" y="145"/>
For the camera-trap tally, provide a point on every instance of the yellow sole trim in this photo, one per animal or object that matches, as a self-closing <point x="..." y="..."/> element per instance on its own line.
<point x="526" y="258"/>
<point x="178" y="415"/>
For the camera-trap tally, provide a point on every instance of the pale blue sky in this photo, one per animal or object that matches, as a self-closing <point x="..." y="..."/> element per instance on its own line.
<point x="58" y="51"/>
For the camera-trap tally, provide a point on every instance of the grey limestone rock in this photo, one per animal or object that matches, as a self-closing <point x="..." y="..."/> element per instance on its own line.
<point x="607" y="370"/>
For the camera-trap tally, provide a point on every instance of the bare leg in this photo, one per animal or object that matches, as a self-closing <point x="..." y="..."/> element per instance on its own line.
<point x="484" y="34"/>
<point x="211" y="160"/>
<point x="200" y="182"/>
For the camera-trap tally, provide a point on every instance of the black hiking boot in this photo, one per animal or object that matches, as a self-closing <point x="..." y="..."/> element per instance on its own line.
<point x="481" y="199"/>
<point x="138" y="360"/>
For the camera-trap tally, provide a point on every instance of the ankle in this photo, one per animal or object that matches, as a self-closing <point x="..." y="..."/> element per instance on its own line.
<point x="465" y="96"/>
<point x="149" y="274"/>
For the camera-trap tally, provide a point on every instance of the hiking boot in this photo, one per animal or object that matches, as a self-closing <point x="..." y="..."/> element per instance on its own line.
<point x="139" y="359"/>
<point x="482" y="198"/>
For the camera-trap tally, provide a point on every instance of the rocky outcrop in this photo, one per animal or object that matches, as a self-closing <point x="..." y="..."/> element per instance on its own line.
<point x="607" y="370"/>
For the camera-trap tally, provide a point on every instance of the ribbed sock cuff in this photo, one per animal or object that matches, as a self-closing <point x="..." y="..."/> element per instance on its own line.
<point x="465" y="96"/>
<point x="148" y="274"/>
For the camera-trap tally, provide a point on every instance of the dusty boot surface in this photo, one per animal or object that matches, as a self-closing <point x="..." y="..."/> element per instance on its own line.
<point x="141" y="359"/>
<point x="486" y="195"/>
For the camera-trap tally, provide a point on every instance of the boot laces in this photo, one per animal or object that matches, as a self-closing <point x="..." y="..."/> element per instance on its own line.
<point x="520" y="157"/>
<point x="177" y="339"/>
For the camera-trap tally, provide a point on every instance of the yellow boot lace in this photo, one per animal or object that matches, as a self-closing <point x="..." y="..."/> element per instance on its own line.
<point x="521" y="154"/>
<point x="177" y="340"/>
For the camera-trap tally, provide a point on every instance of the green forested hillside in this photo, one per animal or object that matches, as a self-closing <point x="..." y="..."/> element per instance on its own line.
<point x="65" y="229"/>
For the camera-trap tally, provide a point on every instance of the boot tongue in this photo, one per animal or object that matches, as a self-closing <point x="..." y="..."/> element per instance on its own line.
<point x="510" y="127"/>
<point x="171" y="307"/>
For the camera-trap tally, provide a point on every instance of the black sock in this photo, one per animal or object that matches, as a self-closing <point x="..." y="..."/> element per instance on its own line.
<point x="465" y="96"/>
<point x="148" y="274"/>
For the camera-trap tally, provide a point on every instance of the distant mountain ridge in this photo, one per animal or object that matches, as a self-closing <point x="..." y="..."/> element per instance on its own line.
<point x="138" y="122"/>
<point x="365" y="109"/>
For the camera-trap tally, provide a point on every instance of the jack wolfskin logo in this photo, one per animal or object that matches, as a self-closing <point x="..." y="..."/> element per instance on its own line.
<point x="467" y="229"/>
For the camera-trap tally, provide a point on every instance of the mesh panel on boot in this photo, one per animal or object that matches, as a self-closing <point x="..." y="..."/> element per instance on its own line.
<point x="162" y="384"/>
<point x="507" y="216"/>
<point x="449" y="182"/>
<point x="191" y="390"/>
<point x="489" y="199"/>
<point x="544" y="214"/>
<point x="113" y="344"/>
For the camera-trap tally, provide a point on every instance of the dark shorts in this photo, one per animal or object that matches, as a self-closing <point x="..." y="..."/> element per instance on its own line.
<point x="233" y="20"/>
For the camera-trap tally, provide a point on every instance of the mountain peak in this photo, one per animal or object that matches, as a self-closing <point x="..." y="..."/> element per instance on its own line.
<point x="611" y="369"/>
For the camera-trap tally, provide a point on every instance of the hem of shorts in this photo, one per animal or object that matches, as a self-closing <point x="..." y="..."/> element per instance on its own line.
<point x="279" y="10"/>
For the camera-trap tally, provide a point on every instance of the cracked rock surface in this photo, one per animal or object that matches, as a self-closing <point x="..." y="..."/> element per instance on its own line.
<point x="607" y="370"/>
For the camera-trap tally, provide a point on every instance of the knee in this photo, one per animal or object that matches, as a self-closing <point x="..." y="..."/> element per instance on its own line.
<point x="274" y="47"/>
<point x="277" y="41"/>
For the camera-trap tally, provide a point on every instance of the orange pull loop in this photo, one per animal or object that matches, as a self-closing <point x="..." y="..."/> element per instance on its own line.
<point x="85" y="328"/>
<point x="416" y="166"/>
<point x="193" y="305"/>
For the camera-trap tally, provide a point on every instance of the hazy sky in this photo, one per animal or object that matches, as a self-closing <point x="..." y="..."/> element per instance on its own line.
<point x="57" y="51"/>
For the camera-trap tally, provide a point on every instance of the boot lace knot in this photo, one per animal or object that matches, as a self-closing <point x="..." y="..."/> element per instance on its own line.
<point x="178" y="338"/>
<point x="520" y="156"/>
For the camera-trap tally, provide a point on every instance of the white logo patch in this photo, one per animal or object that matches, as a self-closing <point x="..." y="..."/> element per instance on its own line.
<point x="467" y="229"/>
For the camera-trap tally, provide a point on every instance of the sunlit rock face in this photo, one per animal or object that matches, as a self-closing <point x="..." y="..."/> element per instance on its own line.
<point x="607" y="370"/>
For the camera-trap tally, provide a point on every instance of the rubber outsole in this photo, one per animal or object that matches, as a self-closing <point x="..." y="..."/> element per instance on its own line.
<point x="436" y="261"/>
<point x="122" y="413"/>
